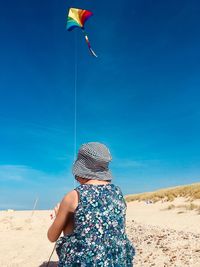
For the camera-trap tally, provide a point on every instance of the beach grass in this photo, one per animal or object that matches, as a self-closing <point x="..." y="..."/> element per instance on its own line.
<point x="190" y="192"/>
<point x="184" y="207"/>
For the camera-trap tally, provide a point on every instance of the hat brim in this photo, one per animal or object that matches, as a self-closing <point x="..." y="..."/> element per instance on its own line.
<point x="80" y="170"/>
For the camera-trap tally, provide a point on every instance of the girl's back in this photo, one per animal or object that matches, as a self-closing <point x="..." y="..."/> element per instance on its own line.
<point x="99" y="237"/>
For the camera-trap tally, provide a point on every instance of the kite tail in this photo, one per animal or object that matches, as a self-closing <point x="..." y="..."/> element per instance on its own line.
<point x="88" y="43"/>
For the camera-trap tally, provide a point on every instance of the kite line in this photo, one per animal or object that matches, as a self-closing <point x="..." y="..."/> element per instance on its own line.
<point x="76" y="19"/>
<point x="75" y="96"/>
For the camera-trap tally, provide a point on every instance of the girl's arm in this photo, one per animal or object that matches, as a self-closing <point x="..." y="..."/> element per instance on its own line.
<point x="67" y="206"/>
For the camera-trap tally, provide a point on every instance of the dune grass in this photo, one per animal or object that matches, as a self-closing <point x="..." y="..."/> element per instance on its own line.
<point x="190" y="206"/>
<point x="184" y="207"/>
<point x="191" y="192"/>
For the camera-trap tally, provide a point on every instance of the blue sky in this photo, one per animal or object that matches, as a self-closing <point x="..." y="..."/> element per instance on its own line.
<point x="140" y="96"/>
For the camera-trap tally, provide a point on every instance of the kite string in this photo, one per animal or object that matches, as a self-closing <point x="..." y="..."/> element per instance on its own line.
<point x="75" y="96"/>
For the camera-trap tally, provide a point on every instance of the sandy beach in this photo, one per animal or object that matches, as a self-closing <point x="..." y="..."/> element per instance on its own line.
<point x="163" y="236"/>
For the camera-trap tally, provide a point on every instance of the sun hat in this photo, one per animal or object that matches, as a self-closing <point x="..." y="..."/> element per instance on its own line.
<point x="92" y="162"/>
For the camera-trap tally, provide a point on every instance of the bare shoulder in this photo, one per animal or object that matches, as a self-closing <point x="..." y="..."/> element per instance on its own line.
<point x="70" y="199"/>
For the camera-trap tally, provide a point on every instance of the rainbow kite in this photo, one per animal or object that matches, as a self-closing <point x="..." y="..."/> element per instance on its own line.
<point x="76" y="19"/>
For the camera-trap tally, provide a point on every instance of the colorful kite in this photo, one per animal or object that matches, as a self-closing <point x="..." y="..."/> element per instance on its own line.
<point x="76" y="19"/>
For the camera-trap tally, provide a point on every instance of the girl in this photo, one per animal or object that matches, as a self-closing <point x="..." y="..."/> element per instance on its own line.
<point x="92" y="216"/>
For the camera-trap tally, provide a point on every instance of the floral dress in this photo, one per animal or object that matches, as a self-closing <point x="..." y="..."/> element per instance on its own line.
<point x="99" y="237"/>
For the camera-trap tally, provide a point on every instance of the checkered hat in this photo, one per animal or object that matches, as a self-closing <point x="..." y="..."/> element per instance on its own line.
<point x="92" y="162"/>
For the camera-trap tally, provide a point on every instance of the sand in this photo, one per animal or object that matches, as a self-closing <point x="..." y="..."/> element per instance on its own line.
<point x="158" y="214"/>
<point x="162" y="237"/>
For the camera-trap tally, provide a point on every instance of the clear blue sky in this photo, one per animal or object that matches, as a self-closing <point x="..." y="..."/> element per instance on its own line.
<point x="140" y="96"/>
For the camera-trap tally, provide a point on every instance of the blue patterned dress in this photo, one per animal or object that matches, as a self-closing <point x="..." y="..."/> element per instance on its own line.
<point x="99" y="237"/>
